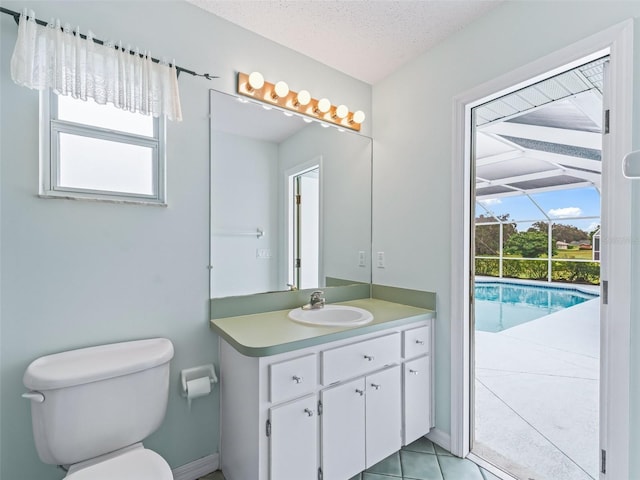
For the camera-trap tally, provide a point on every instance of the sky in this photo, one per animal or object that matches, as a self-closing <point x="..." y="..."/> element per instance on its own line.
<point x="561" y="206"/>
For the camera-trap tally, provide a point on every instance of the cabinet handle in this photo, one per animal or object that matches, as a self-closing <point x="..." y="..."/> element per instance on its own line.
<point x="361" y="392"/>
<point x="420" y="342"/>
<point x="369" y="357"/>
<point x="297" y="379"/>
<point x="308" y="412"/>
<point x="377" y="387"/>
<point x="413" y="372"/>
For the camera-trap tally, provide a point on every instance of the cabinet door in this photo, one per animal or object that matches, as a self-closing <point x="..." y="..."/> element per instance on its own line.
<point x="293" y="452"/>
<point x="417" y="398"/>
<point x="383" y="414"/>
<point x="343" y="430"/>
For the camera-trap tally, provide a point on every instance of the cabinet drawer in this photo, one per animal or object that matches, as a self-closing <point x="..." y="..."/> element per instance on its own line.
<point x="416" y="341"/>
<point x="292" y="378"/>
<point x="360" y="358"/>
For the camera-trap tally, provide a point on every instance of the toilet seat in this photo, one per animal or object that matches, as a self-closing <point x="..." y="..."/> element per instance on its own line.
<point x="135" y="464"/>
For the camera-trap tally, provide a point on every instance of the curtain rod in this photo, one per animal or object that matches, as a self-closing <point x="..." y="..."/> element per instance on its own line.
<point x="16" y="17"/>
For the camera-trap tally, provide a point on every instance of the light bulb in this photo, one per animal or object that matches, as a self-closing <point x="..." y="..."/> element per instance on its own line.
<point x="303" y="98"/>
<point x="359" y="116"/>
<point x="342" y="111"/>
<point x="256" y="81"/>
<point x="281" y="90"/>
<point x="324" y="105"/>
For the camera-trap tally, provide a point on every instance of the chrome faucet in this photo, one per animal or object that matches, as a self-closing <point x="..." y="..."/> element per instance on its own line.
<point x="317" y="301"/>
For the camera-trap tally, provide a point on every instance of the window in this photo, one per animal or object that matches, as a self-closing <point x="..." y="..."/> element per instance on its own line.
<point x="100" y="152"/>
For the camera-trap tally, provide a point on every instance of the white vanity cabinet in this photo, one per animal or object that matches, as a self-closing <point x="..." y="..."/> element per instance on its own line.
<point x="343" y="429"/>
<point x="294" y="443"/>
<point x="327" y="411"/>
<point x="361" y="423"/>
<point x="417" y="377"/>
<point x="384" y="414"/>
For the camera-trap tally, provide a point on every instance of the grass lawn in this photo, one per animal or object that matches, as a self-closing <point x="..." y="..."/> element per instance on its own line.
<point x="574" y="254"/>
<point x="565" y="254"/>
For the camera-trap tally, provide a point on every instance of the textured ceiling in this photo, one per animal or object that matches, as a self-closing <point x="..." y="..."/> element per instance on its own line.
<point x="365" y="39"/>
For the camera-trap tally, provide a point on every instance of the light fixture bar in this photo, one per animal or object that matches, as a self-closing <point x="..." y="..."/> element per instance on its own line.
<point x="278" y="94"/>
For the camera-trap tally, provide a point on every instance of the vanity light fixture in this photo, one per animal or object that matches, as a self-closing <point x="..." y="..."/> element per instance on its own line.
<point x="280" y="90"/>
<point x="358" y="117"/>
<point x="255" y="81"/>
<point x="279" y="95"/>
<point x="302" y="98"/>
<point x="323" y="105"/>
<point x="341" y="111"/>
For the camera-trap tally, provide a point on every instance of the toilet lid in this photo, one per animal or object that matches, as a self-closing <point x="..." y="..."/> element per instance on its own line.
<point x="137" y="464"/>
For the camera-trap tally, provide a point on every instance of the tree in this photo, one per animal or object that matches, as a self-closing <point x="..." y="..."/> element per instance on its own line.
<point x="488" y="236"/>
<point x="561" y="232"/>
<point x="529" y="244"/>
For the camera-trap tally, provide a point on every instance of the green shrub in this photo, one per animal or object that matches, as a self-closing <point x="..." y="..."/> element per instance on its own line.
<point x="525" y="269"/>
<point x="489" y="267"/>
<point x="569" y="272"/>
<point x="512" y="268"/>
<point x="576" y="272"/>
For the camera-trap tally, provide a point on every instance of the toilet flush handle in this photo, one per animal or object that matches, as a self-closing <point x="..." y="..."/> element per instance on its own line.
<point x="34" y="396"/>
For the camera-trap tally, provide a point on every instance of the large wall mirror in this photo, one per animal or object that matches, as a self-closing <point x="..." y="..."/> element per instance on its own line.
<point x="290" y="201"/>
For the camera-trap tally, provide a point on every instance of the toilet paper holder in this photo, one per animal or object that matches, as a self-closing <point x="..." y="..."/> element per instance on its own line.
<point x="189" y="374"/>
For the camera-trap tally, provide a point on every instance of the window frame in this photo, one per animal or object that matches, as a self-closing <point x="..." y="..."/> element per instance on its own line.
<point x="50" y="130"/>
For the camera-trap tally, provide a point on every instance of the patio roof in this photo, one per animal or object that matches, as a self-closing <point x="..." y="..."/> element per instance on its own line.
<point x="544" y="137"/>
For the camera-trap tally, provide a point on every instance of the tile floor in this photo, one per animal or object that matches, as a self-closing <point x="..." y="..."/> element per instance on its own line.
<point x="421" y="460"/>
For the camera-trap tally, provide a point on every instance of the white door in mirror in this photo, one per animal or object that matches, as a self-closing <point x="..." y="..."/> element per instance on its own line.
<point x="332" y="315"/>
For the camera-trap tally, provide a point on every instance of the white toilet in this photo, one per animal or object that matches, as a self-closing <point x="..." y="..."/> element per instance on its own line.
<point x="91" y="408"/>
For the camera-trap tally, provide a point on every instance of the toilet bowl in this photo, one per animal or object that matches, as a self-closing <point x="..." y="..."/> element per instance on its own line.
<point x="91" y="409"/>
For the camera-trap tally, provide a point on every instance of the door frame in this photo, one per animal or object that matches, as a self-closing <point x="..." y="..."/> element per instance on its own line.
<point x="617" y="41"/>
<point x="287" y="193"/>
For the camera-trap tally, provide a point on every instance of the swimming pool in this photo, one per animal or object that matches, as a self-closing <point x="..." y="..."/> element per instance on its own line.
<point x="502" y="305"/>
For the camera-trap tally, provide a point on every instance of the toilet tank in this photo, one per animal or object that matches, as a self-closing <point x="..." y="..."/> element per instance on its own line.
<point x="98" y="399"/>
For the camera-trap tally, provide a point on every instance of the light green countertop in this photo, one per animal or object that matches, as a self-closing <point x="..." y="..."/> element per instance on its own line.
<point x="270" y="333"/>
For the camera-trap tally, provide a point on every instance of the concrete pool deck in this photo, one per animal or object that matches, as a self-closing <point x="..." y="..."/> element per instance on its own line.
<point x="537" y="395"/>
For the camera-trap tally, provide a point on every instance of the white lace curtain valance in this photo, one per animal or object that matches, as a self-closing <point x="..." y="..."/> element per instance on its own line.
<point x="55" y="58"/>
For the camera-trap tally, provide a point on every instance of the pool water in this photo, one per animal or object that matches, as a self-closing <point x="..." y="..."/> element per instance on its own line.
<point x="501" y="305"/>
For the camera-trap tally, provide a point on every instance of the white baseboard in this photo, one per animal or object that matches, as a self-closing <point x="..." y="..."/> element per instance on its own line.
<point x="443" y="439"/>
<point x="198" y="468"/>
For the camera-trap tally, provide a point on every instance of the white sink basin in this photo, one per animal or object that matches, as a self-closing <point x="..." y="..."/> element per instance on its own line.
<point x="332" y="315"/>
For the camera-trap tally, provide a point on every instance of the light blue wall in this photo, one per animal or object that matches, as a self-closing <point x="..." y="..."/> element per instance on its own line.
<point x="413" y="130"/>
<point x="346" y="195"/>
<point x="78" y="273"/>
<point x="244" y="196"/>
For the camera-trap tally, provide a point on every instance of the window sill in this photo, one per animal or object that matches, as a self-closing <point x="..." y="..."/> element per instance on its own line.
<point x="91" y="198"/>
